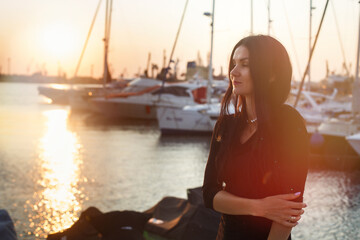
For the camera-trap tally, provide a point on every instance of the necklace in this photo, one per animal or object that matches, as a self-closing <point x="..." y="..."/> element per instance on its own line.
<point x="251" y="120"/>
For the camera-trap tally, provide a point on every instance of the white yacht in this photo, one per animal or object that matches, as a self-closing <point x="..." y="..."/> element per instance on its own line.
<point x="354" y="141"/>
<point x="200" y="118"/>
<point x="141" y="97"/>
<point x="335" y="132"/>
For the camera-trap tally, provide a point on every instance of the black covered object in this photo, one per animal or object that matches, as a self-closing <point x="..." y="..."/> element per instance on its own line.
<point x="180" y="219"/>
<point x="95" y="225"/>
<point x="174" y="213"/>
<point x="7" y="229"/>
<point x="203" y="225"/>
<point x="195" y="196"/>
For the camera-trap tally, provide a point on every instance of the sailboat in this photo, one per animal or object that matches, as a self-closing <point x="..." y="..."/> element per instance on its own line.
<point x="142" y="96"/>
<point x="337" y="132"/>
<point x="76" y="96"/>
<point x="79" y="98"/>
<point x="197" y="118"/>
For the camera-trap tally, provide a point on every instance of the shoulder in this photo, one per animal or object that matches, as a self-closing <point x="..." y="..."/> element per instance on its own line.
<point x="290" y="113"/>
<point x="291" y="127"/>
<point x="289" y="118"/>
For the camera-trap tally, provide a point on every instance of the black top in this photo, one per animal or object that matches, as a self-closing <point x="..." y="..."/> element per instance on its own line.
<point x="244" y="176"/>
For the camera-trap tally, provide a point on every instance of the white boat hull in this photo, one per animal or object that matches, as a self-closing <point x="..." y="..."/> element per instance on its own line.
<point x="179" y="120"/>
<point x="354" y="141"/>
<point x="57" y="95"/>
<point x="140" y="99"/>
<point x="125" y="109"/>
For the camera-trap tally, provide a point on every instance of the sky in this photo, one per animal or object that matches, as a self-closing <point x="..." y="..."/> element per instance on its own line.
<point x="48" y="35"/>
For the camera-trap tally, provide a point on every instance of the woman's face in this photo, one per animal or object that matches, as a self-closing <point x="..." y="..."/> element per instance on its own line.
<point x="240" y="75"/>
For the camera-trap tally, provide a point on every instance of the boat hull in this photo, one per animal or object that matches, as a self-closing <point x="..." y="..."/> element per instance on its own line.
<point x="354" y="141"/>
<point x="57" y="96"/>
<point x="330" y="145"/>
<point x="124" y="110"/>
<point x="179" y="120"/>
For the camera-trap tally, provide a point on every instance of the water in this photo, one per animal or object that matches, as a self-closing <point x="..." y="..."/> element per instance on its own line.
<point x="54" y="164"/>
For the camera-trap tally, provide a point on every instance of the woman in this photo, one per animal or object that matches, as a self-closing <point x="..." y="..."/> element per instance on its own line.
<point x="257" y="166"/>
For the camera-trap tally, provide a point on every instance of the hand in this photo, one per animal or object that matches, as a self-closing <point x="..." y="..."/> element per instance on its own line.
<point x="280" y="209"/>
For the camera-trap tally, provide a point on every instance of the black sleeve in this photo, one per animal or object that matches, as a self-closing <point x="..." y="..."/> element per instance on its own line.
<point x="294" y="150"/>
<point x="211" y="185"/>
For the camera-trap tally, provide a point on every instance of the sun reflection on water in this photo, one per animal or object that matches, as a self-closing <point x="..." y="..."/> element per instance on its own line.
<point x="57" y="204"/>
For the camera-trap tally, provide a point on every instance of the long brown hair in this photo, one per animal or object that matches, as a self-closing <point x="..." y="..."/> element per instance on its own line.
<point x="271" y="72"/>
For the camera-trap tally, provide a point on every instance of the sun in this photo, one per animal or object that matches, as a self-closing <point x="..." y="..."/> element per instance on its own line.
<point x="59" y="40"/>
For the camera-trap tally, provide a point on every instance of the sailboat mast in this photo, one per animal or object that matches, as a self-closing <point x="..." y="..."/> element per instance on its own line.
<point x="310" y="56"/>
<point x="251" y="18"/>
<point x="356" y="86"/>
<point x="208" y="95"/>
<point x="269" y="19"/>
<point x="177" y="34"/>
<point x="310" y="35"/>
<point x="358" y="54"/>
<point x="106" y="42"/>
<point x="87" y="40"/>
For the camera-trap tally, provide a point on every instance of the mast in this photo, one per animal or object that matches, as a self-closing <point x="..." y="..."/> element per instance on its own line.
<point x="87" y="40"/>
<point x="310" y="56"/>
<point x="356" y="86"/>
<point x="310" y="35"/>
<point x="251" y="18"/>
<point x="341" y="43"/>
<point x="172" y="50"/>
<point x="208" y="95"/>
<point x="177" y="34"/>
<point x="106" y="46"/>
<point x="269" y="19"/>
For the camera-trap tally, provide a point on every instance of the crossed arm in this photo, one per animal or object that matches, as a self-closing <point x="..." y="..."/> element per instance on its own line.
<point x="278" y="208"/>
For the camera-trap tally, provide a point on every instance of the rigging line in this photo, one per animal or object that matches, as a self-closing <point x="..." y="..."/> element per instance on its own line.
<point x="178" y="32"/>
<point x="87" y="39"/>
<point x="173" y="49"/>
<point x="292" y="38"/>
<point x="109" y="22"/>
<point x="340" y="40"/>
<point x="310" y="56"/>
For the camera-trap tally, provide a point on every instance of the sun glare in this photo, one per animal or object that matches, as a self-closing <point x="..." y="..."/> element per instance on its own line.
<point x="58" y="201"/>
<point x="58" y="40"/>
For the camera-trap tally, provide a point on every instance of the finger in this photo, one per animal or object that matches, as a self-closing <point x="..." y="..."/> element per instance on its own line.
<point x="296" y="212"/>
<point x="289" y="196"/>
<point x="288" y="224"/>
<point x="295" y="218"/>
<point x="297" y="205"/>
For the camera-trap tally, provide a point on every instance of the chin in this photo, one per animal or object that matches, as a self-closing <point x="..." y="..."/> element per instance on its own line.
<point x="241" y="92"/>
<point x="238" y="92"/>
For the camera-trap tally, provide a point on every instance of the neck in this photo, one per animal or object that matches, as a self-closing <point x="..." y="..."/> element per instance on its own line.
<point x="250" y="107"/>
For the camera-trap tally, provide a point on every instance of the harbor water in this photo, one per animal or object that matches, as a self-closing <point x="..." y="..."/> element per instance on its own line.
<point x="55" y="164"/>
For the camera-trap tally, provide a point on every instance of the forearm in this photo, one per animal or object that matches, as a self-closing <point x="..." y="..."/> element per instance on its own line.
<point x="228" y="203"/>
<point x="279" y="232"/>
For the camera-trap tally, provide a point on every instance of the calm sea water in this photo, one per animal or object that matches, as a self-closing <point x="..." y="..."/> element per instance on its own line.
<point x="54" y="164"/>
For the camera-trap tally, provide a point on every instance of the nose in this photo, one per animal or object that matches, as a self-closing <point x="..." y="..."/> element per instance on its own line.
<point x="234" y="72"/>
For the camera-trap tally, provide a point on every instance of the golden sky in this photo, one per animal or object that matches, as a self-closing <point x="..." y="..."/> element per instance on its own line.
<point x="43" y="35"/>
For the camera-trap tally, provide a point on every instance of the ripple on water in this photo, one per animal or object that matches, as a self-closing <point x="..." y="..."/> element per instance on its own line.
<point x="125" y="166"/>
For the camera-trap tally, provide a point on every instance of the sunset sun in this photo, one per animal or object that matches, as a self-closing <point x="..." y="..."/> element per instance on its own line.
<point x="58" y="40"/>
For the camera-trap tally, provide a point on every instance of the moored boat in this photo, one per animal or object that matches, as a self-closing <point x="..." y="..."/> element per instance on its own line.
<point x="354" y="141"/>
<point x="142" y="96"/>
